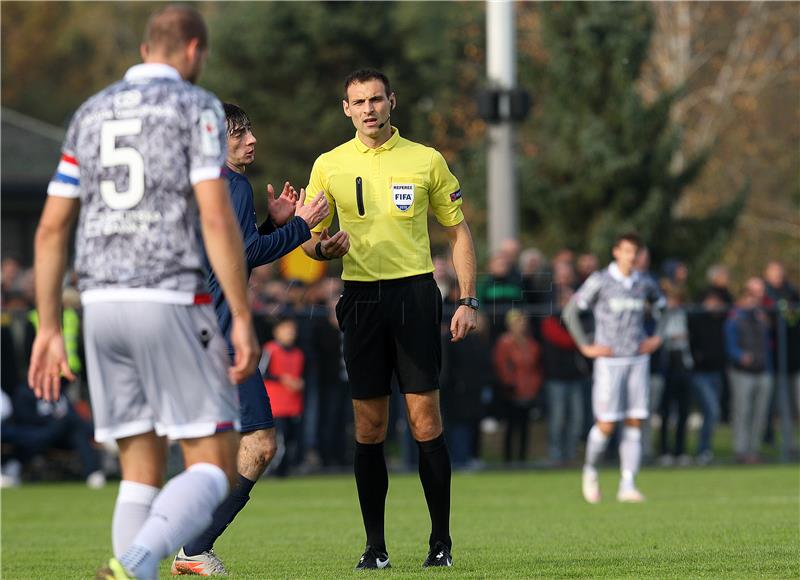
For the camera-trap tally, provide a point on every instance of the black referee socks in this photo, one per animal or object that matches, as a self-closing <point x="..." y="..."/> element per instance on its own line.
<point x="434" y="473"/>
<point x="372" y="481"/>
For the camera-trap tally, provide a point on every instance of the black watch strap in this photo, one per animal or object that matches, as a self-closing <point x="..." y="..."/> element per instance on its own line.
<point x="318" y="251"/>
<point x="469" y="301"/>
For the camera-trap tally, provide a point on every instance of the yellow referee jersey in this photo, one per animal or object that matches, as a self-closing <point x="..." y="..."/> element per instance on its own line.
<point x="382" y="197"/>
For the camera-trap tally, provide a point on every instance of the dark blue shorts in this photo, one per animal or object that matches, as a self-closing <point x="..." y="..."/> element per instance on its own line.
<point x="254" y="404"/>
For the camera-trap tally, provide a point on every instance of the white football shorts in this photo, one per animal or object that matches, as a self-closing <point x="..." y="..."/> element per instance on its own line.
<point x="621" y="388"/>
<point x="157" y="367"/>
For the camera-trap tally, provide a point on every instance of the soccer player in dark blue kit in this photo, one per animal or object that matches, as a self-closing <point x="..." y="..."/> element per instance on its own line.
<point x="287" y="226"/>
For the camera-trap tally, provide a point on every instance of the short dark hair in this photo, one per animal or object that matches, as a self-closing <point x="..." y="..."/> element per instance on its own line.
<point x="631" y="237"/>
<point x="363" y="75"/>
<point x="172" y="27"/>
<point x="236" y="119"/>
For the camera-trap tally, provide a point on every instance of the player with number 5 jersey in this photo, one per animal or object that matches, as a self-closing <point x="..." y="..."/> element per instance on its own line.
<point x="141" y="172"/>
<point x="128" y="240"/>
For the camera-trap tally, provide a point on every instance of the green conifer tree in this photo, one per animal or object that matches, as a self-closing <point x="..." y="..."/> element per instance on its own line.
<point x="606" y="160"/>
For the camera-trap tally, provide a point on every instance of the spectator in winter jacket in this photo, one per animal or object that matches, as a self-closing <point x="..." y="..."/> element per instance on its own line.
<point x="517" y="367"/>
<point x="749" y="366"/>
<point x="566" y="373"/>
<point x="707" y="342"/>
<point x="283" y="380"/>
<point x="466" y="376"/>
<point x="777" y="287"/>
<point x="677" y="364"/>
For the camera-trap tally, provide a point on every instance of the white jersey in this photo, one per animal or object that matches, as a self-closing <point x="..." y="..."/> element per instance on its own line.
<point x="132" y="154"/>
<point x="618" y="304"/>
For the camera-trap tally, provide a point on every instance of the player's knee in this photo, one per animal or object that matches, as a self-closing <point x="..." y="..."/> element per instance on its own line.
<point x="426" y="429"/>
<point x="268" y="450"/>
<point x="370" y="430"/>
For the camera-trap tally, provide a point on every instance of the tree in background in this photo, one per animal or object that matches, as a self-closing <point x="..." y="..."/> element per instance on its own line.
<point x="604" y="158"/>
<point x="739" y="66"/>
<point x="56" y="54"/>
<point x="717" y="82"/>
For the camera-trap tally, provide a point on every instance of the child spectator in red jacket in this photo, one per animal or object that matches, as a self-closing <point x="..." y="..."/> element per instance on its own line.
<point x="283" y="380"/>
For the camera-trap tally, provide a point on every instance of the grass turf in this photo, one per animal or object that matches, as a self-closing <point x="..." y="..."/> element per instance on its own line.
<point x="711" y="523"/>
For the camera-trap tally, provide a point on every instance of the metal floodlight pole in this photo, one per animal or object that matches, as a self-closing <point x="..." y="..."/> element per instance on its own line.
<point x="501" y="171"/>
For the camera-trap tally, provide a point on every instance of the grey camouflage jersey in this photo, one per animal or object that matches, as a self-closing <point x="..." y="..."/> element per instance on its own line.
<point x="618" y="305"/>
<point x="133" y="153"/>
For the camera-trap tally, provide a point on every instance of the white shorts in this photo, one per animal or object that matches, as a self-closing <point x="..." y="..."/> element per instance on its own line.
<point x="621" y="388"/>
<point x="157" y="367"/>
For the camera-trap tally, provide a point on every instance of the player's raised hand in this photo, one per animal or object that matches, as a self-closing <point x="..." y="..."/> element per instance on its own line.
<point x="596" y="350"/>
<point x="281" y="208"/>
<point x="245" y="348"/>
<point x="336" y="245"/>
<point x="465" y="320"/>
<point x="313" y="212"/>
<point x="48" y="364"/>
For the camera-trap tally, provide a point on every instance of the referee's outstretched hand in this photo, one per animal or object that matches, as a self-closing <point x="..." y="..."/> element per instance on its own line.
<point x="314" y="211"/>
<point x="464" y="321"/>
<point x="336" y="245"/>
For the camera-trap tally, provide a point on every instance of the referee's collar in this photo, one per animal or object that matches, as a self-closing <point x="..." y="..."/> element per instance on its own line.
<point x="150" y="70"/>
<point x="390" y="143"/>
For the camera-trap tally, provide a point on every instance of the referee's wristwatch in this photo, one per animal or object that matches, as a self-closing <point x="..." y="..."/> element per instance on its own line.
<point x="469" y="301"/>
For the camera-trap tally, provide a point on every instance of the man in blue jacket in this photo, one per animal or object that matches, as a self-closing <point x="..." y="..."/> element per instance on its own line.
<point x="749" y="371"/>
<point x="276" y="237"/>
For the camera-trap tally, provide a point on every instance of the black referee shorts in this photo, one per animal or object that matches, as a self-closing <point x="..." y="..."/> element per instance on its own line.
<point x="391" y="326"/>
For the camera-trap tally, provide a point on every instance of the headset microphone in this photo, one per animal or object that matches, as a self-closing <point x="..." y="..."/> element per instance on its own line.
<point x="389" y="118"/>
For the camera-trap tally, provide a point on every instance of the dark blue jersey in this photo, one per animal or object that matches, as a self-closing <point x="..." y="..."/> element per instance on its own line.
<point x="261" y="246"/>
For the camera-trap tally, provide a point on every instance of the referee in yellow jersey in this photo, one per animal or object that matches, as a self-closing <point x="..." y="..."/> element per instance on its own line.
<point x="382" y="185"/>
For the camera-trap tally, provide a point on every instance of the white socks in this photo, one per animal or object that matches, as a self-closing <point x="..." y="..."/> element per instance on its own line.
<point x="130" y="513"/>
<point x="596" y="444"/>
<point x="180" y="512"/>
<point x="630" y="455"/>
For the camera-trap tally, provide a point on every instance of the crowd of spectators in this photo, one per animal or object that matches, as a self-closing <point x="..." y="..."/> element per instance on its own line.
<point x="726" y="354"/>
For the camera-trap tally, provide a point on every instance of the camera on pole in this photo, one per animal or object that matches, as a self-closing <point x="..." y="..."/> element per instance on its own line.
<point x="499" y="105"/>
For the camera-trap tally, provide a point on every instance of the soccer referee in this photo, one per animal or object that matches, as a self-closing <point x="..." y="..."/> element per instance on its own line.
<point x="390" y="312"/>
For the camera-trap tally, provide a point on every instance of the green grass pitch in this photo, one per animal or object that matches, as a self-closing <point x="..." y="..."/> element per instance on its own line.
<point x="727" y="522"/>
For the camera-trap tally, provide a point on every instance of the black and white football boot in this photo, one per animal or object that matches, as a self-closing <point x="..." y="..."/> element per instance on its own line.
<point x="438" y="556"/>
<point x="373" y="559"/>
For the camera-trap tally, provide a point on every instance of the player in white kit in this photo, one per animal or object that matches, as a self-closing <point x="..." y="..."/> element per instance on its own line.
<point x="142" y="163"/>
<point x="618" y="297"/>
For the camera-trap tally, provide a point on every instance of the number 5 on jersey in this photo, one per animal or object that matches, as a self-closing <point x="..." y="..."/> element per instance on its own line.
<point x="111" y="156"/>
